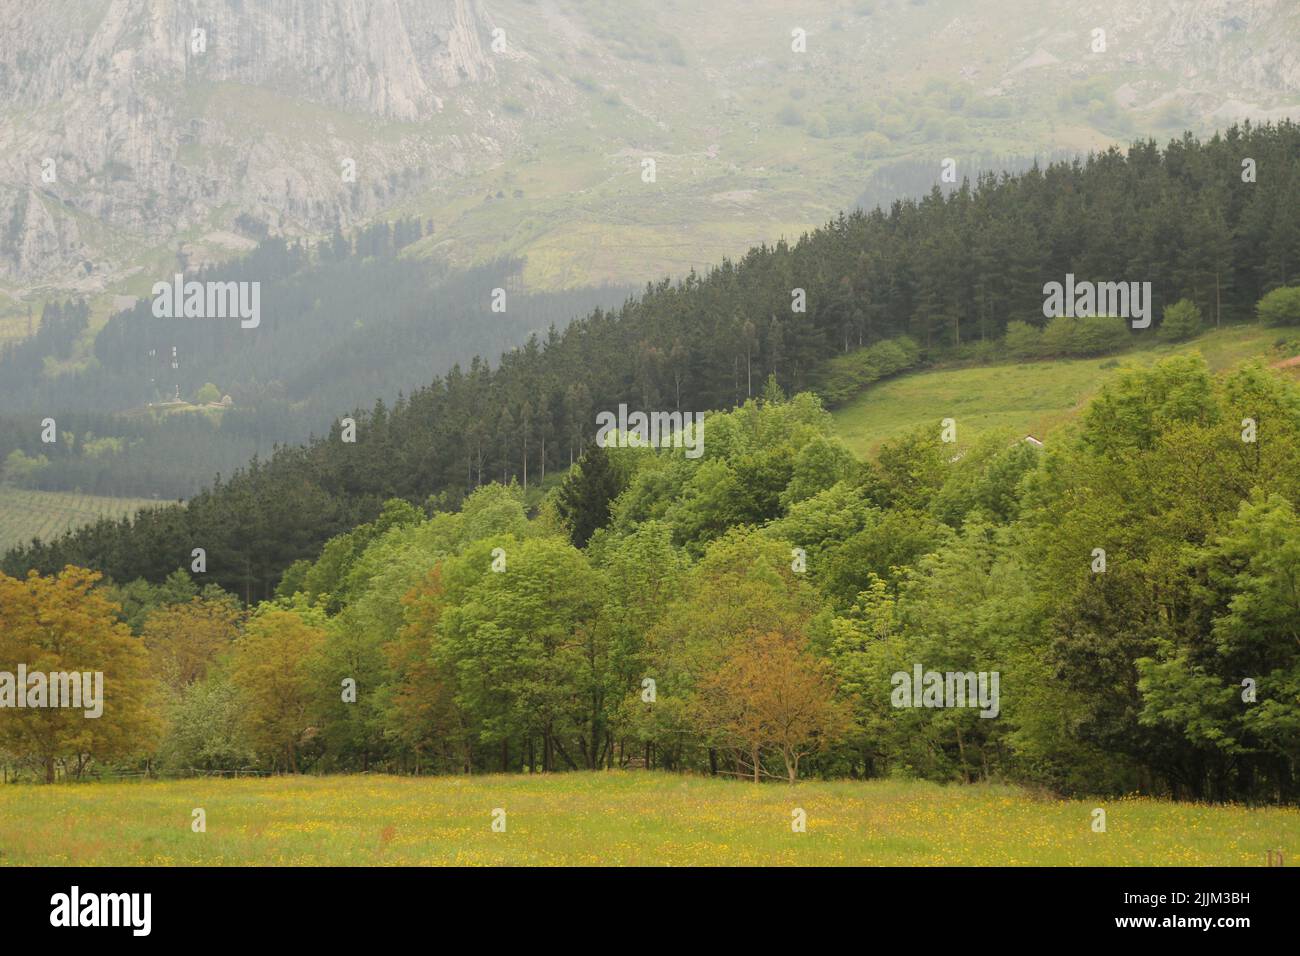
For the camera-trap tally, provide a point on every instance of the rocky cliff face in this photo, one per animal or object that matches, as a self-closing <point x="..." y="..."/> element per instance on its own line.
<point x="125" y="136"/>
<point x="117" y="123"/>
<point x="1248" y="43"/>
<point x="388" y="57"/>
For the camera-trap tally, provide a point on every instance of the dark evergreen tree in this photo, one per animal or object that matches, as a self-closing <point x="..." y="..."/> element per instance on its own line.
<point x="586" y="494"/>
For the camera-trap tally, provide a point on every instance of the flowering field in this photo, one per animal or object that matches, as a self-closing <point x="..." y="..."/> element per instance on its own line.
<point x="614" y="818"/>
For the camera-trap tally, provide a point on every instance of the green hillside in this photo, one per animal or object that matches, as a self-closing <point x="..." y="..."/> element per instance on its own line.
<point x="1033" y="398"/>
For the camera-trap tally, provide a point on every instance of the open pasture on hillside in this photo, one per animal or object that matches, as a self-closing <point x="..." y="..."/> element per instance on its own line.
<point x="614" y="818"/>
<point x="1031" y="398"/>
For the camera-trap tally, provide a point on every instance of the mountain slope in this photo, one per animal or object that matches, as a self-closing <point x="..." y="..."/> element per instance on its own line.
<point x="531" y="142"/>
<point x="944" y="271"/>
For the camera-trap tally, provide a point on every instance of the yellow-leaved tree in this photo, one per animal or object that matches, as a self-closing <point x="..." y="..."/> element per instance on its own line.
<point x="63" y="625"/>
<point x="273" y="669"/>
<point x="184" y="639"/>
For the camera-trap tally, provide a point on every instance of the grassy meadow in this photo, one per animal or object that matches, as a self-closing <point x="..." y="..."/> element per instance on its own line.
<point x="630" y="818"/>
<point x="1032" y="398"/>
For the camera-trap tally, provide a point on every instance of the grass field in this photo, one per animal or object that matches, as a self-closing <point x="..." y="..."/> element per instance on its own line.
<point x="28" y="514"/>
<point x="613" y="818"/>
<point x="1033" y="398"/>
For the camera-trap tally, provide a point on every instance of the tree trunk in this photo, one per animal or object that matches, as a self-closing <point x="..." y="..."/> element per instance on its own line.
<point x="565" y="754"/>
<point x="1218" y="308"/>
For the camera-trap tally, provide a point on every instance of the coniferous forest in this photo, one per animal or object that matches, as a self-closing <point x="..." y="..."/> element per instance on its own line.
<point x="949" y="273"/>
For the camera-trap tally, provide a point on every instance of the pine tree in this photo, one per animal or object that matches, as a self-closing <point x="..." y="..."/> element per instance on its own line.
<point x="586" y="494"/>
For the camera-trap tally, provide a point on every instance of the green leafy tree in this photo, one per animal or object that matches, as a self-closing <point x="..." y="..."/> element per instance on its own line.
<point x="1061" y="337"/>
<point x="529" y="660"/>
<point x="1280" y="307"/>
<point x="1181" y="321"/>
<point x="1023" y="341"/>
<point x="272" y="668"/>
<point x="205" y="729"/>
<point x="208" y="394"/>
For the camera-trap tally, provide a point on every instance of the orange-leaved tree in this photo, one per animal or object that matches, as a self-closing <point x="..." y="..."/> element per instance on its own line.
<point x="772" y="695"/>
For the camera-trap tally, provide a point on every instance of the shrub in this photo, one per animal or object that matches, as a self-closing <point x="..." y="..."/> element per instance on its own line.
<point x="1099" y="334"/>
<point x="1060" y="338"/>
<point x="846" y="375"/>
<point x="1023" y="341"/>
<point x="1280" y="307"/>
<point x="984" y="351"/>
<point x="885" y="358"/>
<point x="1181" y="321"/>
<point x="21" y="470"/>
<point x="875" y="144"/>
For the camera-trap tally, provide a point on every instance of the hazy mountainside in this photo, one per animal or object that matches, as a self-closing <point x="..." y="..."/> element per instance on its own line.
<point x="950" y="272"/>
<point x="123" y="137"/>
<point x="332" y="333"/>
<point x="155" y="407"/>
